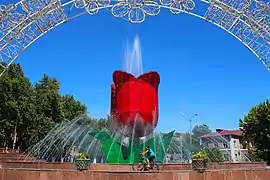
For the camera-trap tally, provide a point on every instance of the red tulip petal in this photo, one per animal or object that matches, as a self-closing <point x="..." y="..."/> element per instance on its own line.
<point x="152" y="78"/>
<point x="120" y="77"/>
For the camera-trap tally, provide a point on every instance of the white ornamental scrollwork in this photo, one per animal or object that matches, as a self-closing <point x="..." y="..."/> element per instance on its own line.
<point x="22" y="23"/>
<point x="9" y="19"/>
<point x="135" y="10"/>
<point x="262" y="14"/>
<point x="177" y="6"/>
<point x="79" y="4"/>
<point x="32" y="6"/>
<point x="92" y="6"/>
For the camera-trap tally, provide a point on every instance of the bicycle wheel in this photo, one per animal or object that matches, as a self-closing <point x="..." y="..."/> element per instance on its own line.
<point x="158" y="165"/>
<point x="134" y="167"/>
<point x="138" y="167"/>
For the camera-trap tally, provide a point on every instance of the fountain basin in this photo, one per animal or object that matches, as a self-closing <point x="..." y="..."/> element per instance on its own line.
<point x="37" y="174"/>
<point x="127" y="167"/>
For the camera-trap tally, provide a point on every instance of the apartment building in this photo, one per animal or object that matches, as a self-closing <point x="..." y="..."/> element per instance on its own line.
<point x="231" y="143"/>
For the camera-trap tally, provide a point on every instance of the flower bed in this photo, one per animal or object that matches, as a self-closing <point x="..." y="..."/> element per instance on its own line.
<point x="199" y="161"/>
<point x="83" y="162"/>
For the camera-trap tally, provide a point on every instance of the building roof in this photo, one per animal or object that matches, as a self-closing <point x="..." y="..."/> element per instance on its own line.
<point x="224" y="132"/>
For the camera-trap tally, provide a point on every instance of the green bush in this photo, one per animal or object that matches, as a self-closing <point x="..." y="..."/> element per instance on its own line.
<point x="214" y="155"/>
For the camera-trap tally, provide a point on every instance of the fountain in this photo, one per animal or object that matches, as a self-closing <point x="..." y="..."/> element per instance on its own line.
<point x="134" y="117"/>
<point x="133" y="58"/>
<point x="134" y="111"/>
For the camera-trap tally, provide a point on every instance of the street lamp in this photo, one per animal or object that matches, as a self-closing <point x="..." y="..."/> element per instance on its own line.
<point x="190" y="126"/>
<point x="190" y="129"/>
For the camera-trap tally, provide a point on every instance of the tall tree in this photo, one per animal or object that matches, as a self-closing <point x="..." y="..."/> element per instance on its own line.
<point x="48" y="98"/>
<point x="27" y="112"/>
<point x="256" y="126"/>
<point x="200" y="130"/>
<point x="15" y="106"/>
<point x="72" y="108"/>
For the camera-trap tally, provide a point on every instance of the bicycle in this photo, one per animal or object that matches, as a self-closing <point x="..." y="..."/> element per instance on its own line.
<point x="142" y="166"/>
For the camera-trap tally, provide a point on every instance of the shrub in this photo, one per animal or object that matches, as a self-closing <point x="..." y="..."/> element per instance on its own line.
<point x="214" y="154"/>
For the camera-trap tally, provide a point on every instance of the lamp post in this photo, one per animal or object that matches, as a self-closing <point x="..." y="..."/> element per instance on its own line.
<point x="190" y="126"/>
<point x="190" y="130"/>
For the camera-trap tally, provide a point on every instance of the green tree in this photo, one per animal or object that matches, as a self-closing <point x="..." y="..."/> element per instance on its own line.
<point x="29" y="112"/>
<point x="16" y="94"/>
<point x="200" y="130"/>
<point x="256" y="126"/>
<point x="197" y="132"/>
<point x="48" y="98"/>
<point x="103" y="123"/>
<point x="254" y="156"/>
<point x="72" y="108"/>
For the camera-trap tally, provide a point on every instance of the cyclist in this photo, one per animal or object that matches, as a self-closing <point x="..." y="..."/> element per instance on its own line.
<point x="149" y="155"/>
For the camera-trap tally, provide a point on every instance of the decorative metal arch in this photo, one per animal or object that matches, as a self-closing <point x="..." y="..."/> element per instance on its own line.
<point x="21" y="24"/>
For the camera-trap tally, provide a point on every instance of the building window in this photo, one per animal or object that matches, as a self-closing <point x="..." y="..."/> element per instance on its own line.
<point x="235" y="145"/>
<point x="244" y="145"/>
<point x="220" y="145"/>
<point x="211" y="145"/>
<point x="225" y="145"/>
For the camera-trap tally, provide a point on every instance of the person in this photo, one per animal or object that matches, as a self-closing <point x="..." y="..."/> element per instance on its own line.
<point x="149" y="155"/>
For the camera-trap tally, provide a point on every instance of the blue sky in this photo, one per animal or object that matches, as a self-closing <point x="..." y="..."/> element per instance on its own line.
<point x="203" y="69"/>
